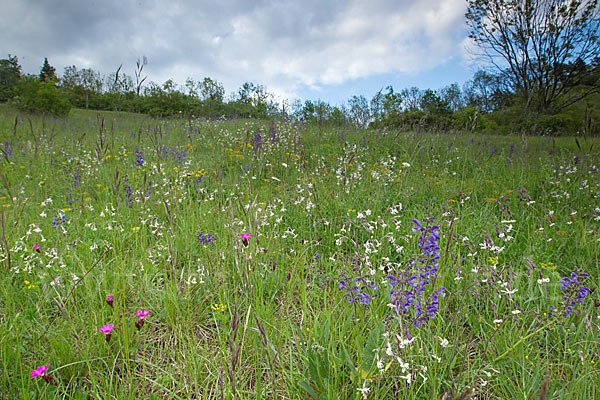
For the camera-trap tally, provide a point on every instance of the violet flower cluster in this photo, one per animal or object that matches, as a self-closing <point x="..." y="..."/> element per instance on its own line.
<point x="139" y="157"/>
<point x="413" y="295"/>
<point x="205" y="238"/>
<point x="574" y="292"/>
<point x="359" y="290"/>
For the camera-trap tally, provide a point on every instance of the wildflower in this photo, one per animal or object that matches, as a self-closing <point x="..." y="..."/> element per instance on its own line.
<point x="141" y="314"/>
<point x="41" y="371"/>
<point x="36" y="248"/>
<point x="139" y="157"/>
<point x="106" y="329"/>
<point x="574" y="290"/>
<point x="204" y="239"/>
<point x="109" y="300"/>
<point x="218" y="307"/>
<point x="364" y="390"/>
<point x="245" y="238"/>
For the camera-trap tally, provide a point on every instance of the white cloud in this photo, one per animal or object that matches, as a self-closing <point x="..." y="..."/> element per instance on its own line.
<point x="281" y="44"/>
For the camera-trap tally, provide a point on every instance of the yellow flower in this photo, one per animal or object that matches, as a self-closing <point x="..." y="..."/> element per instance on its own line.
<point x="218" y="307"/>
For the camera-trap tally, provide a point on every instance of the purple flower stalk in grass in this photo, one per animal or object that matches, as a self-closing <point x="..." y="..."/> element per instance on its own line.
<point x="106" y="329"/>
<point x="127" y="188"/>
<point x="141" y="315"/>
<point x="413" y="295"/>
<point x="362" y="292"/>
<point x="257" y="143"/>
<point x="139" y="157"/>
<point x="574" y="292"/>
<point x="41" y="371"/>
<point x="109" y="300"/>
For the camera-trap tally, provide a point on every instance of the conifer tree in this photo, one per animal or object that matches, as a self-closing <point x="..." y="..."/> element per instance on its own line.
<point x="48" y="72"/>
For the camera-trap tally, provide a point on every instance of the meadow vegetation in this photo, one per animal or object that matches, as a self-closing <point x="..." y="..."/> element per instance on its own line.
<point x="185" y="258"/>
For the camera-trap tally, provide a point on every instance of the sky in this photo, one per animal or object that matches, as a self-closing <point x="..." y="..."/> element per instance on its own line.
<point x="306" y="49"/>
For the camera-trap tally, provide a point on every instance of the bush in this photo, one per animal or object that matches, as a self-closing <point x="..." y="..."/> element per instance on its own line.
<point x="38" y="97"/>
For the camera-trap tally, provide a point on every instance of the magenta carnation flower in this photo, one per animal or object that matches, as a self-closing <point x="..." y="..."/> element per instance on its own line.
<point x="40" y="371"/>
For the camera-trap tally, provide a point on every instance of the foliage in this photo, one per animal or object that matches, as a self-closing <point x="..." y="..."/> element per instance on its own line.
<point x="10" y="74"/>
<point x="35" y="96"/>
<point x="48" y="72"/>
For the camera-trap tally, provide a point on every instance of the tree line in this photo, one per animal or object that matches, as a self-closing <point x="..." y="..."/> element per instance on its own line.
<point x="541" y="75"/>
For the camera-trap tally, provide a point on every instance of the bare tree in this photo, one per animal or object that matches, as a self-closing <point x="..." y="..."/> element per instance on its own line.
<point x="544" y="47"/>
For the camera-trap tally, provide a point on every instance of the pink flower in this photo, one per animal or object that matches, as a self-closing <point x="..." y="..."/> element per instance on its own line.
<point x="40" y="371"/>
<point x="109" y="300"/>
<point x="106" y="329"/>
<point x="246" y="236"/>
<point x="140" y="322"/>
<point x="36" y="247"/>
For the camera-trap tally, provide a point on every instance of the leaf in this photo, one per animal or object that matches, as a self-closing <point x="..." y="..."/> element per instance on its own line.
<point x="312" y="367"/>
<point x="349" y="361"/>
<point x="308" y="389"/>
<point x="373" y="343"/>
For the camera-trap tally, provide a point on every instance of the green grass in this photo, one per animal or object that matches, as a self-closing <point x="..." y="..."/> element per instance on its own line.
<point x="267" y="318"/>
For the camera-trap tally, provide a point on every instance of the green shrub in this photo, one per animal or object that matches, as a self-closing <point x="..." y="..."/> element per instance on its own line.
<point x="38" y="97"/>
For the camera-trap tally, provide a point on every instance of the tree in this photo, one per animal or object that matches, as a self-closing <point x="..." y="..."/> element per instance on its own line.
<point x="543" y="46"/>
<point x="360" y="113"/>
<point x="434" y="104"/>
<point x="84" y="82"/>
<point x="486" y="92"/>
<point x="452" y="96"/>
<point x="255" y="100"/>
<point x="212" y="90"/>
<point x="10" y="73"/>
<point x="48" y="72"/>
<point x="411" y="98"/>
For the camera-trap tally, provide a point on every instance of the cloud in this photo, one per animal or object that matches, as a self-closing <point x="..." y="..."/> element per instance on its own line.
<point x="281" y="44"/>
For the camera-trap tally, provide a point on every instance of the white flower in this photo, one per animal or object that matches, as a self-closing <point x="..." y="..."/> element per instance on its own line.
<point x="497" y="321"/>
<point x="515" y="312"/>
<point x="364" y="391"/>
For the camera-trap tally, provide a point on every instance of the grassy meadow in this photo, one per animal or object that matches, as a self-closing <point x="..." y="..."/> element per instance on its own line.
<point x="278" y="260"/>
